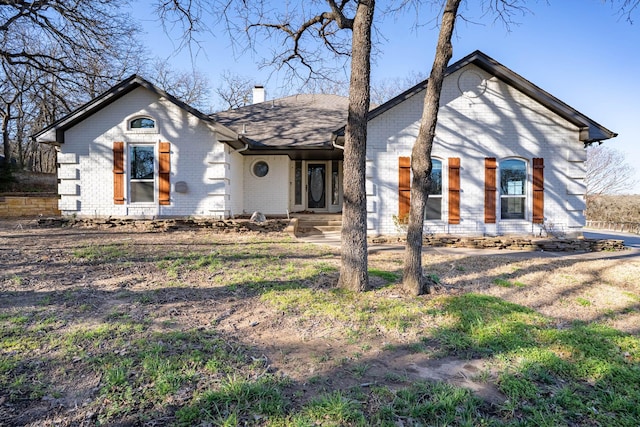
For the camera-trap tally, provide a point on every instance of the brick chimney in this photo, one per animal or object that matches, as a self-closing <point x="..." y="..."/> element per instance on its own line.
<point x="259" y="94"/>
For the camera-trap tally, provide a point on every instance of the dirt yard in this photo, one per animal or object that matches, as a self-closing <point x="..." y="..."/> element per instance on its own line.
<point x="77" y="279"/>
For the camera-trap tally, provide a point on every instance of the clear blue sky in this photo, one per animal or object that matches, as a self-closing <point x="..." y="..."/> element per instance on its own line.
<point x="581" y="51"/>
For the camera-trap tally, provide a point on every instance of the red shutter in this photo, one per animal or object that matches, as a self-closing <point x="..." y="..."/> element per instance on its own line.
<point x="118" y="173"/>
<point x="490" y="190"/>
<point x="404" y="187"/>
<point x="164" y="169"/>
<point x="538" y="191"/>
<point x="454" y="190"/>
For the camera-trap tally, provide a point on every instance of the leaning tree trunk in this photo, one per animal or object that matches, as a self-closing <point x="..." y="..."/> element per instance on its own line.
<point x="353" y="270"/>
<point x="6" y="142"/>
<point x="5" y="168"/>
<point x="413" y="279"/>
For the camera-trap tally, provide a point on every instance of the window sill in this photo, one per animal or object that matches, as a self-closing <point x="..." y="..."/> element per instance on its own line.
<point x="143" y="131"/>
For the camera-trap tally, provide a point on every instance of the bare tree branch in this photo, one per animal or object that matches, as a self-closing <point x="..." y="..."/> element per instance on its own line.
<point x="234" y="90"/>
<point x="607" y="171"/>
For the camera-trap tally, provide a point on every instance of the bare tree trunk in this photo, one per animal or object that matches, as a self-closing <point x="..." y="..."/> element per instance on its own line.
<point x="353" y="271"/>
<point x="413" y="279"/>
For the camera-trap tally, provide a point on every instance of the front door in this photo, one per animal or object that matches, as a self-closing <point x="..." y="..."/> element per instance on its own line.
<point x="316" y="191"/>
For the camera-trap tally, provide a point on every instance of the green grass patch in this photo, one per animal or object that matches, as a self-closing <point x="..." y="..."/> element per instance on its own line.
<point x="505" y="283"/>
<point x="101" y="253"/>
<point x="365" y="312"/>
<point x="388" y="276"/>
<point x="583" y="302"/>
<point x="542" y="365"/>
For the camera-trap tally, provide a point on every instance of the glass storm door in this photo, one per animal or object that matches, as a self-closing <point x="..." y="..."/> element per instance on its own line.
<point x="316" y="173"/>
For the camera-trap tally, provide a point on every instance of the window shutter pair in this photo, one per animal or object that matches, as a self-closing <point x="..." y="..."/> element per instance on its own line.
<point x="404" y="188"/>
<point x="490" y="189"/>
<point x="164" y="171"/>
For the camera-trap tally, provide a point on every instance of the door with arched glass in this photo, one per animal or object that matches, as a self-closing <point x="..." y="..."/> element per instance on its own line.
<point x="316" y="185"/>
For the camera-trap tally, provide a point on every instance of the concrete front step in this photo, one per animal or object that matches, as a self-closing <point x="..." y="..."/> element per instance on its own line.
<point x="320" y="229"/>
<point x="318" y="224"/>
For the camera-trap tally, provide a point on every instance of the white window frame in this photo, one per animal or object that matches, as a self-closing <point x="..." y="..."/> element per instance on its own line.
<point x="437" y="196"/>
<point x="131" y="180"/>
<point x="130" y="120"/>
<point x="505" y="198"/>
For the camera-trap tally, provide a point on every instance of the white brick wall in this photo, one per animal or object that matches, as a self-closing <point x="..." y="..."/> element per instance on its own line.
<point x="269" y="194"/>
<point x="236" y="187"/>
<point x="501" y="123"/>
<point x="88" y="151"/>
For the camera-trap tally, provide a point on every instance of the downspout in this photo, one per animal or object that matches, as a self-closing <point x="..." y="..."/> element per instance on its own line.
<point x="246" y="144"/>
<point x="241" y="149"/>
<point x="335" y="145"/>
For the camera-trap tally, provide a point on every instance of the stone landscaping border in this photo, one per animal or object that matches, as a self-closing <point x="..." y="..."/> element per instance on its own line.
<point x="518" y="243"/>
<point x="215" y="225"/>
<point x="285" y="226"/>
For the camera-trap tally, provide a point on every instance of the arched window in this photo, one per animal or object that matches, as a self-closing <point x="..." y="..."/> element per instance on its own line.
<point x="142" y="123"/>
<point x="434" y="202"/>
<point x="513" y="188"/>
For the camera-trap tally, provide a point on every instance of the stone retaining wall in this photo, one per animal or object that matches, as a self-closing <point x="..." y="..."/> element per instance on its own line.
<point x="521" y="243"/>
<point x="215" y="225"/>
<point x="25" y="205"/>
<point x="284" y="225"/>
<point x="528" y="244"/>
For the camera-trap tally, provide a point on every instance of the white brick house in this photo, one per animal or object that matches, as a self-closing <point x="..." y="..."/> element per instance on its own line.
<point x="508" y="156"/>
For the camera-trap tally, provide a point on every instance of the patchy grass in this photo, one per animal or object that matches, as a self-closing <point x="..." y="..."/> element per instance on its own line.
<point x="194" y="329"/>
<point x="388" y="276"/>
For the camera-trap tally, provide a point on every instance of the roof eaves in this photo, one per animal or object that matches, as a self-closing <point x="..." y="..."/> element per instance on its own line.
<point x="97" y="103"/>
<point x="129" y="84"/>
<point x="596" y="132"/>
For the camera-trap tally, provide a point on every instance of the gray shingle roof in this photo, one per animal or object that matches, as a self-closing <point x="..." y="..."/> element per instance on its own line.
<point x="304" y="121"/>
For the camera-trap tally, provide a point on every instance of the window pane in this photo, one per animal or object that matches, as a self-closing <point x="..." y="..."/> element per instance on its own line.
<point x="512" y="207"/>
<point x="142" y="191"/>
<point x="260" y="169"/>
<point x="434" y="208"/>
<point x="513" y="176"/>
<point x="298" y="183"/>
<point x="436" y="177"/>
<point x="142" y="123"/>
<point x="335" y="186"/>
<point x="141" y="158"/>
